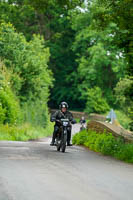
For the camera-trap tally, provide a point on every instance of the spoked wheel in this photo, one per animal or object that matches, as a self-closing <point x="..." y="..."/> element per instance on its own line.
<point x="63" y="146"/>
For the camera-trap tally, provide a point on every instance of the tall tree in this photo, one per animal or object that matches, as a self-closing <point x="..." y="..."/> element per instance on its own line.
<point x="121" y="13"/>
<point x="100" y="61"/>
<point x="30" y="77"/>
<point x="52" y="20"/>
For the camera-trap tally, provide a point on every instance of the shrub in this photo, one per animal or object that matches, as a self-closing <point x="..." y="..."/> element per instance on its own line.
<point x="90" y="142"/>
<point x="10" y="111"/>
<point x="106" y="144"/>
<point x="125" y="153"/>
<point x="2" y="114"/>
<point x="79" y="138"/>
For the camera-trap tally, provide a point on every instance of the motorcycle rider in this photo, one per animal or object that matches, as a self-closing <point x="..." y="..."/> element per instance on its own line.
<point x="61" y="114"/>
<point x="82" y="122"/>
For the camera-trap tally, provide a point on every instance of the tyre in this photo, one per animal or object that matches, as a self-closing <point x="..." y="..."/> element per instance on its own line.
<point x="58" y="145"/>
<point x="58" y="148"/>
<point x="63" y="147"/>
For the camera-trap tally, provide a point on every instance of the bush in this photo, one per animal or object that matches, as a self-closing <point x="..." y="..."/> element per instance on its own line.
<point x="2" y="114"/>
<point x="125" y="153"/>
<point x="79" y="138"/>
<point x="106" y="144"/>
<point x="10" y="111"/>
<point x="9" y="108"/>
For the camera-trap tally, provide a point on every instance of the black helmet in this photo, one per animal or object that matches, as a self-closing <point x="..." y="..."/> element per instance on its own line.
<point x="63" y="105"/>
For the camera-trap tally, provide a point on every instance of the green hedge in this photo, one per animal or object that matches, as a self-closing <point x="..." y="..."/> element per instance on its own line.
<point x="9" y="107"/>
<point x="106" y="144"/>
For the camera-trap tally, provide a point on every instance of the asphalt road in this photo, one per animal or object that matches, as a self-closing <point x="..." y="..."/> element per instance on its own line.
<point x="36" y="171"/>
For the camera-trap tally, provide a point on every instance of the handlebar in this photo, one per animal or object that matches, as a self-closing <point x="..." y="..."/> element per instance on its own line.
<point x="64" y="120"/>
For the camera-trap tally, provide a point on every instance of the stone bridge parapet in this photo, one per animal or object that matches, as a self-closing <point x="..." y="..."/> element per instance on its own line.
<point x="116" y="131"/>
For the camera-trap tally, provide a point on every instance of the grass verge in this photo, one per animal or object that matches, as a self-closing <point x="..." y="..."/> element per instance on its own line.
<point x="24" y="132"/>
<point x="106" y="144"/>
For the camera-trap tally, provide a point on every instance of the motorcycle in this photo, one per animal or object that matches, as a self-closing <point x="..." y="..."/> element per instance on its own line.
<point x="61" y="138"/>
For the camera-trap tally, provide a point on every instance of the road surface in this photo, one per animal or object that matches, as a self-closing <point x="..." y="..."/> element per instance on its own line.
<point x="36" y="171"/>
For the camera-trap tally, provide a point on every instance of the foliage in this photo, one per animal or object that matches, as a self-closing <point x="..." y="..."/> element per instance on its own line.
<point x="51" y="20"/>
<point x="105" y="144"/>
<point x="10" y="111"/>
<point x="24" y="132"/>
<point x="118" y="12"/>
<point x="95" y="102"/>
<point x="30" y="77"/>
<point x="124" y="96"/>
<point x="79" y="138"/>
<point x="122" y="90"/>
<point x="123" y="119"/>
<point x="100" y="61"/>
<point x="35" y="113"/>
<point x="28" y="60"/>
<point x="90" y="46"/>
<point x="131" y="116"/>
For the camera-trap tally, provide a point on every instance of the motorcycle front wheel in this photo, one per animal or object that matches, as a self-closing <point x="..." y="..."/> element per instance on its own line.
<point x="64" y="141"/>
<point x="58" y="144"/>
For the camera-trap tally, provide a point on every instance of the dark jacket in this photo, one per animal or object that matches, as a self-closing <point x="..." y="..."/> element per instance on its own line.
<point x="82" y="121"/>
<point x="60" y="115"/>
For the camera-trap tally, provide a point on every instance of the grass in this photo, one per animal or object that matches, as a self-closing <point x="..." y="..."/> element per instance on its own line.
<point x="106" y="144"/>
<point x="24" y="132"/>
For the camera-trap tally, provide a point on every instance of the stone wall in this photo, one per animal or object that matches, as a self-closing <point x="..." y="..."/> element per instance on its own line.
<point x="100" y="127"/>
<point x="97" y="117"/>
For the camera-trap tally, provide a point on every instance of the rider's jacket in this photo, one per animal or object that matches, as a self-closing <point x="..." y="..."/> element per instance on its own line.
<point x="60" y="115"/>
<point x="82" y="121"/>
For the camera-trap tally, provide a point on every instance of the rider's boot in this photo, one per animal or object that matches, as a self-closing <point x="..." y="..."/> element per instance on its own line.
<point x="52" y="143"/>
<point x="69" y="144"/>
<point x="69" y="138"/>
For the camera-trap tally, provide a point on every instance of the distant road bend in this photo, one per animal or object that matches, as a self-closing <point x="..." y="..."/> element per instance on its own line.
<point x="36" y="171"/>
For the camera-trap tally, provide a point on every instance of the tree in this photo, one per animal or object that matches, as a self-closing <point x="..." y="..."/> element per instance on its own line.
<point x="31" y="78"/>
<point x="100" y="62"/>
<point x="52" y="20"/>
<point x="10" y="111"/>
<point x="120" y="13"/>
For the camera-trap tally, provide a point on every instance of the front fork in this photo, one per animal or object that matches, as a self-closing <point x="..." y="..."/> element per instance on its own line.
<point x="62" y="134"/>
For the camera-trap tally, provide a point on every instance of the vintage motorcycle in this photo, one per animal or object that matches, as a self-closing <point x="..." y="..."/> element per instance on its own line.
<point x="61" y="138"/>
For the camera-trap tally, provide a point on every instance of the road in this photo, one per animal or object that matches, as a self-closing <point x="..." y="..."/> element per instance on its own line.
<point x="36" y="171"/>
